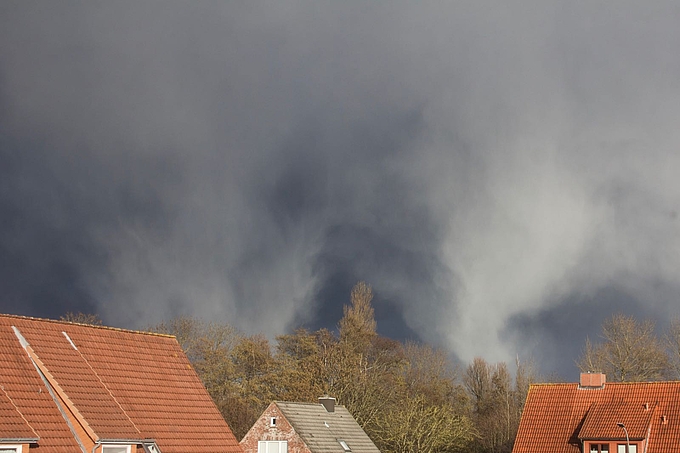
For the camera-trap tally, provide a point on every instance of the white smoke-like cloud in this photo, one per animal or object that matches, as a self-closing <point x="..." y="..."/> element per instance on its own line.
<point x="477" y="163"/>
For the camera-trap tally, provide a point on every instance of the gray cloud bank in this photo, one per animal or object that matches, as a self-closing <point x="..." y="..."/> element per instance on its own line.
<point x="504" y="175"/>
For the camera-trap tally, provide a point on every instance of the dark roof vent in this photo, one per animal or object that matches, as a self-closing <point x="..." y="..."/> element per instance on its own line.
<point x="328" y="402"/>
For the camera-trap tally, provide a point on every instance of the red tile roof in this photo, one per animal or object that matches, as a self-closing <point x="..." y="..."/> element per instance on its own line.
<point x="29" y="395"/>
<point x="558" y="417"/>
<point x="635" y="417"/>
<point x="119" y="384"/>
<point x="12" y="424"/>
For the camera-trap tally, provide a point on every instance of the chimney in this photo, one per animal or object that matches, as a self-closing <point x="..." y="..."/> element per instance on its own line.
<point x="328" y="402"/>
<point x="592" y="380"/>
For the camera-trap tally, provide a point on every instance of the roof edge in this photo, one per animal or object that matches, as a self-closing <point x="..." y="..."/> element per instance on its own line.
<point x="302" y="403"/>
<point x="19" y="440"/>
<point x="557" y="384"/>
<point x="125" y="441"/>
<point x="95" y="326"/>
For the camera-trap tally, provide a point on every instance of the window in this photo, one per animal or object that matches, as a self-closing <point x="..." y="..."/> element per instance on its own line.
<point x="10" y="448"/>
<point x="115" y="449"/>
<point x="272" y="446"/>
<point x="150" y="447"/>
<point x="599" y="448"/>
<point x="272" y="421"/>
<point x="622" y="448"/>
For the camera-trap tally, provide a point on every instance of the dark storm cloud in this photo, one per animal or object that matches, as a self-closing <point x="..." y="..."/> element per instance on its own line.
<point x="555" y="335"/>
<point x="475" y="162"/>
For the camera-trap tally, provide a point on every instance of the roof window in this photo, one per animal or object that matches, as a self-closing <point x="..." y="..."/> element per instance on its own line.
<point x="344" y="445"/>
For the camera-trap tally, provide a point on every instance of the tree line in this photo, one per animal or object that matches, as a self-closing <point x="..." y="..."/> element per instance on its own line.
<point x="409" y="397"/>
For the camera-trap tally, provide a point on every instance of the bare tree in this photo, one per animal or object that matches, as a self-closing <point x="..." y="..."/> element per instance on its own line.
<point x="672" y="340"/>
<point x="477" y="381"/>
<point x="496" y="403"/>
<point x="526" y="375"/>
<point x="82" y="318"/>
<point x="630" y="351"/>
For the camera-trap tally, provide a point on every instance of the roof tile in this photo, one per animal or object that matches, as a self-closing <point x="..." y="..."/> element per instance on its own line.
<point x="125" y="384"/>
<point x="557" y="417"/>
<point x="321" y="429"/>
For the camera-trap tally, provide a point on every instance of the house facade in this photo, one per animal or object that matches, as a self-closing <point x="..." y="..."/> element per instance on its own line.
<point x="289" y="427"/>
<point x="594" y="416"/>
<point x="70" y="388"/>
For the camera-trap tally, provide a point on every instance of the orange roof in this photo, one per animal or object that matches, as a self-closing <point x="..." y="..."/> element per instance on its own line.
<point x="119" y="385"/>
<point x="12" y="424"/>
<point x="558" y="417"/>
<point x="635" y="417"/>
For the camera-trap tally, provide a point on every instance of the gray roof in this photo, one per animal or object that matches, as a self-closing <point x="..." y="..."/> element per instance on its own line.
<point x="322" y="430"/>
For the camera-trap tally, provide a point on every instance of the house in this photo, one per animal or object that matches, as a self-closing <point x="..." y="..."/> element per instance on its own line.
<point x="595" y="416"/>
<point x="73" y="388"/>
<point x="286" y="427"/>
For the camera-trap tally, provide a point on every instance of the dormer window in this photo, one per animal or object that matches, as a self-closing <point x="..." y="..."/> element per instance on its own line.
<point x="116" y="448"/>
<point x="621" y="448"/>
<point x="616" y="427"/>
<point x="599" y="448"/>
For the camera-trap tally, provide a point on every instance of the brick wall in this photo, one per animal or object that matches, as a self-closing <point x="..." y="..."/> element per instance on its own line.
<point x="592" y="379"/>
<point x="282" y="430"/>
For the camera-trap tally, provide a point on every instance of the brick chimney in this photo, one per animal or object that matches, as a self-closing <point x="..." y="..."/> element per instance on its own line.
<point x="592" y="380"/>
<point x="328" y="402"/>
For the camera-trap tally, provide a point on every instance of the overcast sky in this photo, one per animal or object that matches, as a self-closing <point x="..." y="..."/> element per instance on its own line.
<point x="504" y="174"/>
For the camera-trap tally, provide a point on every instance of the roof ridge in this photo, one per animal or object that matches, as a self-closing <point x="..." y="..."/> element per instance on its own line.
<point x="615" y="383"/>
<point x="96" y="326"/>
<point x="303" y="403"/>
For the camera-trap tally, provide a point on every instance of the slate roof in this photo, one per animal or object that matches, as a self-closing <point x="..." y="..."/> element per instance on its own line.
<point x="120" y="384"/>
<point x="321" y="430"/>
<point x="557" y="417"/>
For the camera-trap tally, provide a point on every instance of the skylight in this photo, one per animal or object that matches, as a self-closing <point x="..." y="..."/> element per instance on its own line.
<point x="344" y="445"/>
